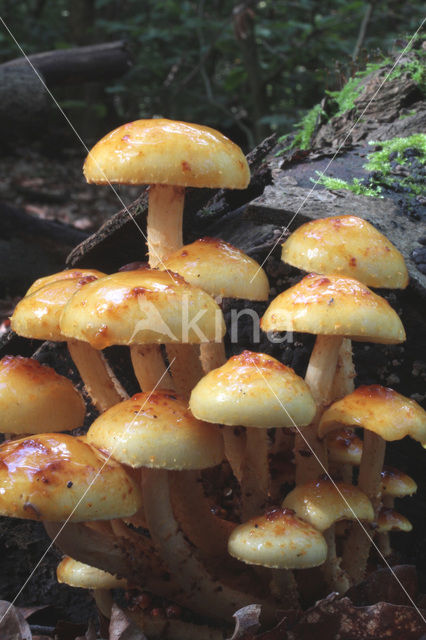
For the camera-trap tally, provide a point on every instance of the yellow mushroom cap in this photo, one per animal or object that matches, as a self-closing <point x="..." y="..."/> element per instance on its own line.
<point x="142" y="306"/>
<point x="51" y="476"/>
<point x="323" y="503"/>
<point x="396" y="483"/>
<point x="378" y="409"/>
<point x="344" y="447"/>
<point x="78" y="574"/>
<point x="37" y="315"/>
<point x="68" y="274"/>
<point x="220" y="269"/>
<point x="161" y="151"/>
<point x="334" y="305"/>
<point x="278" y="539"/>
<point x="251" y="389"/>
<point x="36" y="399"/>
<point x="346" y="246"/>
<point x="391" y="520"/>
<point x="157" y="430"/>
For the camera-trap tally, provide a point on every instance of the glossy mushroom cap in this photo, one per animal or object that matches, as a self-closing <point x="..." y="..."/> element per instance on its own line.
<point x="157" y="430"/>
<point x="68" y="274"/>
<point x="220" y="269"/>
<point x="391" y="520"/>
<point x="37" y="315"/>
<point x="278" y="539"/>
<point x="334" y="305"/>
<point x="142" y="306"/>
<point x="323" y="503"/>
<point x="55" y="477"/>
<point x="36" y="399"/>
<point x="378" y="409"/>
<point x="346" y="246"/>
<point x="344" y="447"/>
<point x="161" y="151"/>
<point x="253" y="390"/>
<point x="78" y="574"/>
<point x="396" y="483"/>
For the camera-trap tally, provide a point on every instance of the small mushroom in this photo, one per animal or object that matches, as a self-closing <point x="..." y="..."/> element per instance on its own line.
<point x="344" y="452"/>
<point x="395" y="484"/>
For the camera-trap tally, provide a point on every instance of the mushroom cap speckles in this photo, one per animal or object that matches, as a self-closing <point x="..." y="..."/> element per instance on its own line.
<point x="157" y="430"/>
<point x="68" y="274"/>
<point x="78" y="574"/>
<point x="378" y="409"/>
<point x="391" y="520"/>
<point x="346" y="246"/>
<point x="334" y="305"/>
<point x="344" y="447"/>
<point x="279" y="540"/>
<point x="396" y="483"/>
<point x="56" y="476"/>
<point x="253" y="390"/>
<point x="161" y="151"/>
<point x="220" y="269"/>
<point x="323" y="503"/>
<point x="36" y="399"/>
<point x="37" y="315"/>
<point x="142" y="306"/>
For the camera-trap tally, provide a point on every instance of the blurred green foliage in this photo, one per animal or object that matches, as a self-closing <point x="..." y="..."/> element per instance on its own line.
<point x="247" y="68"/>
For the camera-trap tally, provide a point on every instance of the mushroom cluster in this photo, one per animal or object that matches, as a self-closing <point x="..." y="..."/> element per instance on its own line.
<point x="129" y="503"/>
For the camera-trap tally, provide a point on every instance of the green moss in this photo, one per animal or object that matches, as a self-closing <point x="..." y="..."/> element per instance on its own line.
<point x="416" y="69"/>
<point x="346" y="97"/>
<point x="380" y="161"/>
<point x="356" y="186"/>
<point x="305" y="128"/>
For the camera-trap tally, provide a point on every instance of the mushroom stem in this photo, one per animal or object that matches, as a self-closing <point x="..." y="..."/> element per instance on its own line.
<point x="310" y="453"/>
<point x="284" y="588"/>
<point x="155" y="627"/>
<point x="185" y="366"/>
<point x="207" y="532"/>
<point x="164" y="223"/>
<point x="99" y="380"/>
<point x="383" y="538"/>
<point x="335" y="577"/>
<point x="255" y="476"/>
<point x="207" y="596"/>
<point x="343" y="382"/>
<point x="357" y="548"/>
<point x="212" y="355"/>
<point x="148" y="365"/>
<point x="104" y="601"/>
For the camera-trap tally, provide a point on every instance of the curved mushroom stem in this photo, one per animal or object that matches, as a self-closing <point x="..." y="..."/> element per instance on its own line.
<point x="335" y="577"/>
<point x="99" y="380"/>
<point x="148" y="365"/>
<point x="255" y="476"/>
<point x="104" y="601"/>
<point x="357" y="548"/>
<point x="309" y="451"/>
<point x="185" y="366"/>
<point x="207" y="532"/>
<point x="206" y="595"/>
<point x="164" y="223"/>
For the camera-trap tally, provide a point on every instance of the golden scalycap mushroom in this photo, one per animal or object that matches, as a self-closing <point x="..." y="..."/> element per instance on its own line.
<point x="346" y="246"/>
<point x="391" y="520"/>
<point x="77" y="574"/>
<point x="142" y="306"/>
<point x="37" y="315"/>
<point x="278" y="539"/>
<point x="68" y="274"/>
<point x="157" y="430"/>
<point x="396" y="483"/>
<point x="334" y="305"/>
<point x="161" y="151"/>
<point x="344" y="447"/>
<point x="378" y="409"/>
<point x="251" y="389"/>
<point x="47" y="477"/>
<point x="323" y="503"/>
<point x="220" y="269"/>
<point x="36" y="399"/>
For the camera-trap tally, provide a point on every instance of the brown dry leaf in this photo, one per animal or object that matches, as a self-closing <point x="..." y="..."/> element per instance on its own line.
<point x="90" y="633"/>
<point x="246" y="622"/>
<point x="121" y="628"/>
<point x="12" y="623"/>
<point x="384" y="585"/>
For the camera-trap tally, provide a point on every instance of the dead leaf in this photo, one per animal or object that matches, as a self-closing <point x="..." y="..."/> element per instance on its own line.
<point x="246" y="622"/>
<point x="384" y="585"/>
<point x="13" y="625"/>
<point x="121" y="628"/>
<point x="90" y="633"/>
